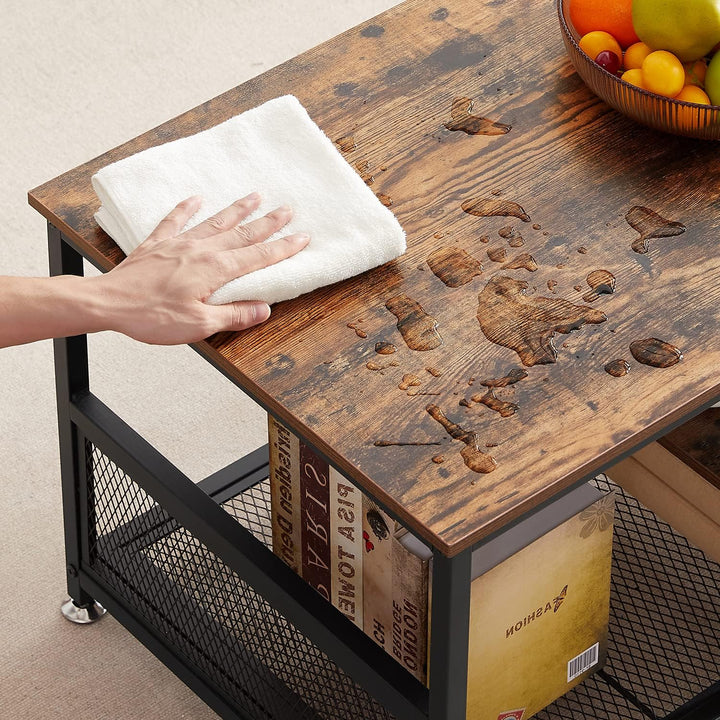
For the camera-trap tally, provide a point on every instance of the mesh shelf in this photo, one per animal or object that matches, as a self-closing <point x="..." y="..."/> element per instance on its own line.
<point x="664" y="628"/>
<point x="217" y="622"/>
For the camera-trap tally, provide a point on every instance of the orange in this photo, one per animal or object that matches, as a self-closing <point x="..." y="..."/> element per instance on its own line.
<point x="613" y="16"/>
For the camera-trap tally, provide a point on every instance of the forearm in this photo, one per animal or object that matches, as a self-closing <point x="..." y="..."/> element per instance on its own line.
<point x="39" y="308"/>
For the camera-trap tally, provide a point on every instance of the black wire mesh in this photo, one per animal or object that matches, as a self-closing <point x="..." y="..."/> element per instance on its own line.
<point x="664" y="621"/>
<point x="218" y="623"/>
<point x="593" y="699"/>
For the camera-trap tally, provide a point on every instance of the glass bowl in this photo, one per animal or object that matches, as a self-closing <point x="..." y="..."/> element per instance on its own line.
<point x="658" y="112"/>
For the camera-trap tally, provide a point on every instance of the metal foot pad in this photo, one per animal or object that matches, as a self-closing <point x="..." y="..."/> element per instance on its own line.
<point x="82" y="614"/>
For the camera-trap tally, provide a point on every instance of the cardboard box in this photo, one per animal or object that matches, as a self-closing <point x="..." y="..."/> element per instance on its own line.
<point x="539" y="607"/>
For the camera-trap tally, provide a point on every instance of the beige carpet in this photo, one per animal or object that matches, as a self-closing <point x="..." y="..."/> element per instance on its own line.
<point x="77" y="79"/>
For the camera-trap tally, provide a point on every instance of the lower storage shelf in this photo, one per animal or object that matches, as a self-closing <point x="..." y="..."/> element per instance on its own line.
<point x="664" y="620"/>
<point x="664" y="635"/>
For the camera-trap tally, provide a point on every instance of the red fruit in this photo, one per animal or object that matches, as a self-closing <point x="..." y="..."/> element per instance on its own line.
<point x="608" y="60"/>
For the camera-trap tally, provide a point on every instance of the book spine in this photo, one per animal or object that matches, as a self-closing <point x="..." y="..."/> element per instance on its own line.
<point x="315" y="521"/>
<point x="377" y="574"/>
<point x="409" y="610"/>
<point x="347" y="547"/>
<point x="285" y="493"/>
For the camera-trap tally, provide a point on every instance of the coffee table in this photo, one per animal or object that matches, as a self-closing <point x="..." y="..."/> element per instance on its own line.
<point x="526" y="200"/>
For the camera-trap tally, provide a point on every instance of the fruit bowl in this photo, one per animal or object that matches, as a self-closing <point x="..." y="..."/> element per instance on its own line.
<point x="658" y="112"/>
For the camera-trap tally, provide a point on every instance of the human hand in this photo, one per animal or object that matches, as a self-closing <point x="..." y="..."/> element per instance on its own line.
<point x="159" y="292"/>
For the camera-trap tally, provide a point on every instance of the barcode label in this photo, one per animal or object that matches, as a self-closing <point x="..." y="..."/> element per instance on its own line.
<point x="582" y="662"/>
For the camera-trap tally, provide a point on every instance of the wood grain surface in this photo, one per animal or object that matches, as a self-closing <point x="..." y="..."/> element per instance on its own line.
<point x="569" y="170"/>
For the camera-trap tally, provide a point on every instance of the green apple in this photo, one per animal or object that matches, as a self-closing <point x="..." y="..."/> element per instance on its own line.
<point x="712" y="79"/>
<point x="686" y="28"/>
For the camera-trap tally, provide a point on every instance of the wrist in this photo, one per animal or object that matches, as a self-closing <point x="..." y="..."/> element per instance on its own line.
<point x="39" y="308"/>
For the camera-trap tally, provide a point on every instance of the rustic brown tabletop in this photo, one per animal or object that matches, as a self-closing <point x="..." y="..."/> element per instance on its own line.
<point x="526" y="201"/>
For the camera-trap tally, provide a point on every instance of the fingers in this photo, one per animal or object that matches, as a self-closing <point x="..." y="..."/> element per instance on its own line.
<point x="226" y="219"/>
<point x="250" y="233"/>
<point x="240" y="315"/>
<point x="244" y="260"/>
<point x="176" y="219"/>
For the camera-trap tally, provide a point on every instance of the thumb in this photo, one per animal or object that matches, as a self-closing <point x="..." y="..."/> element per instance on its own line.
<point x="240" y="315"/>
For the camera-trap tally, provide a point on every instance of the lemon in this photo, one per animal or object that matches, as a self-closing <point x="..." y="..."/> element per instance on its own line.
<point x="686" y="28"/>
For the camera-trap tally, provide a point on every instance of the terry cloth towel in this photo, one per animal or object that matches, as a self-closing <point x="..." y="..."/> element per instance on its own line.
<point x="277" y="150"/>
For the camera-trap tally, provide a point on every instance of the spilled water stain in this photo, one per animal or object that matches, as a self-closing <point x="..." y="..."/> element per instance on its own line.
<point x="362" y="167"/>
<point x="656" y="353"/>
<point x="418" y="329"/>
<point x="601" y="282"/>
<point x="494" y="207"/>
<point x="454" y="266"/>
<point x="462" y="120"/>
<point x="472" y="455"/>
<point x="650" y="225"/>
<point x="514" y="376"/>
<point x="617" y="368"/>
<point x="360" y="333"/>
<point x="524" y="261"/>
<point x="528" y="324"/>
<point x="514" y="238"/>
<point x="497" y="254"/>
<point x="489" y="399"/>
<point x="408" y="381"/>
<point x="346" y="143"/>
<point x="383" y="347"/>
<point x="372" y="365"/>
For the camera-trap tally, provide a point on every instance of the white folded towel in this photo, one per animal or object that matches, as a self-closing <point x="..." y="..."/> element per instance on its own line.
<point x="277" y="150"/>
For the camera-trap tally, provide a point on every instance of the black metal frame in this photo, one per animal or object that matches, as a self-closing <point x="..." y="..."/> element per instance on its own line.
<point x="81" y="417"/>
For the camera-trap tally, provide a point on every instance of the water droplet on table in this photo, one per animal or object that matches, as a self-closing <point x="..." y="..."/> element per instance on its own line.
<point x="490" y="207"/>
<point x="473" y="457"/>
<point x="617" y="368"/>
<point x="462" y="120"/>
<point x="418" y="329"/>
<point x="656" y="353"/>
<point x="650" y="225"/>
<point x="527" y="324"/>
<point x="601" y="282"/>
<point x="454" y="266"/>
